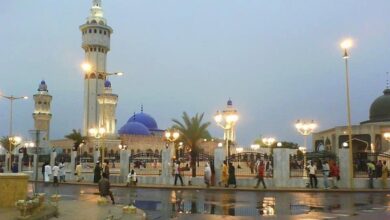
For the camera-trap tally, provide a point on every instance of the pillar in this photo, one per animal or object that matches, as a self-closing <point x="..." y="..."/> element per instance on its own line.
<point x="281" y="170"/>
<point x="20" y="162"/>
<point x="6" y="162"/>
<point x="166" y="165"/>
<point x="219" y="157"/>
<point x="35" y="168"/>
<point x="73" y="161"/>
<point x="53" y="156"/>
<point x="344" y="168"/>
<point x="124" y="164"/>
<point x="96" y="155"/>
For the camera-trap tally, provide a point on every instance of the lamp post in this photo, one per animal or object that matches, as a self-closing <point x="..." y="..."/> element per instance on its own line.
<point x="172" y="136"/>
<point x="305" y="128"/>
<point x="80" y="146"/>
<point x="98" y="133"/>
<point x="303" y="149"/>
<point x="13" y="140"/>
<point x="345" y="45"/>
<point x="269" y="141"/>
<point x="227" y="120"/>
<point x="11" y="99"/>
<point x="255" y="147"/>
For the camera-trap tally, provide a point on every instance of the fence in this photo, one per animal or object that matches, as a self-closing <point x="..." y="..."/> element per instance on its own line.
<point x="146" y="163"/>
<point x="360" y="160"/>
<point x="246" y="164"/>
<point x="298" y="165"/>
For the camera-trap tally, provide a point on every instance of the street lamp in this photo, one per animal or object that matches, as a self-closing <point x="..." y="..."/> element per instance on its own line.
<point x="345" y="45"/>
<point x="269" y="141"/>
<point x="305" y="128"/>
<point x="80" y="146"/>
<point x="11" y="99"/>
<point x="255" y="147"/>
<point x="122" y="147"/>
<point x="227" y="120"/>
<point x="13" y="140"/>
<point x="172" y="136"/>
<point x="98" y="133"/>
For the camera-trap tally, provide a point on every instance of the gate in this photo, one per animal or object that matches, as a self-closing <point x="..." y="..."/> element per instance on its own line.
<point x="146" y="163"/>
<point x="246" y="163"/>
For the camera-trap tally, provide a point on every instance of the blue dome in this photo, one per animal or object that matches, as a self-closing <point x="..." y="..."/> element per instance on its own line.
<point x="134" y="128"/>
<point x="107" y="84"/>
<point x="229" y="102"/>
<point x="144" y="119"/>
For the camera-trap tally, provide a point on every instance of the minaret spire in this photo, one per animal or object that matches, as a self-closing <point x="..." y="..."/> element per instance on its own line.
<point x="387" y="80"/>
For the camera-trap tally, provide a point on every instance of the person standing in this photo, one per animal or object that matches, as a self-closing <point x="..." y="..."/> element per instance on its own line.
<point x="97" y="173"/>
<point x="385" y="174"/>
<point x="207" y="175"/>
<point x="335" y="174"/>
<point x="62" y="171"/>
<point x="225" y="174"/>
<point x="43" y="170"/>
<point x="177" y="173"/>
<point x="56" y="171"/>
<point x="1" y="168"/>
<point x="371" y="174"/>
<point x="14" y="167"/>
<point x="325" y="172"/>
<point x="260" y="175"/>
<point x="312" y="174"/>
<point x="131" y="178"/>
<point x="47" y="172"/>
<point x="378" y="169"/>
<point x="78" y="172"/>
<point x="232" y="176"/>
<point x="104" y="188"/>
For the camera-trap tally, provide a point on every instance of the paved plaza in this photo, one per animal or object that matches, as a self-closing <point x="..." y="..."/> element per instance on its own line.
<point x="79" y="201"/>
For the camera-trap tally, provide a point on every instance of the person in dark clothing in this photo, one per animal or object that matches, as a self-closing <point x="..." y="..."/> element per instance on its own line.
<point x="97" y="173"/>
<point x="232" y="176"/>
<point x="43" y="170"/>
<point x="14" y="167"/>
<point x="104" y="188"/>
<point x="1" y="168"/>
<point x="107" y="169"/>
<point x="378" y="169"/>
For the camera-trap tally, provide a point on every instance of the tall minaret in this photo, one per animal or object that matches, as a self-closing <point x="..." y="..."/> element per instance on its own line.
<point x="96" y="44"/>
<point x="107" y="105"/>
<point x="42" y="113"/>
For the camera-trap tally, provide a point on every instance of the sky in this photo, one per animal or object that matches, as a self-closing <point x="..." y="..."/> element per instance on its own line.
<point x="278" y="61"/>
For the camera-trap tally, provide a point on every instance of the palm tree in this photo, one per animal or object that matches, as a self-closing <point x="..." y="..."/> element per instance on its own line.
<point x="5" y="142"/>
<point x="192" y="131"/>
<point x="77" y="138"/>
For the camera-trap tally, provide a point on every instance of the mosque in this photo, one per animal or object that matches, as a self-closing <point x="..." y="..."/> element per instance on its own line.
<point x="140" y="133"/>
<point x="368" y="137"/>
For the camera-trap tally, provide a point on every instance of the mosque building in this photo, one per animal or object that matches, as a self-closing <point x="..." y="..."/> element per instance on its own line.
<point x="366" y="137"/>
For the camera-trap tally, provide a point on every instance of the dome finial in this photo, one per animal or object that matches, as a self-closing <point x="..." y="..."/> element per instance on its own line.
<point x="142" y="108"/>
<point x="134" y="116"/>
<point x="387" y="80"/>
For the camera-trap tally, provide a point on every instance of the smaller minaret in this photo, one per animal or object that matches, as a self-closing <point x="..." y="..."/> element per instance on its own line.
<point x="230" y="111"/>
<point x="107" y="105"/>
<point x="42" y="112"/>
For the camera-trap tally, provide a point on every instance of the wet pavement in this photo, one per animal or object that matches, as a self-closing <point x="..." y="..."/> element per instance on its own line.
<point x="216" y="204"/>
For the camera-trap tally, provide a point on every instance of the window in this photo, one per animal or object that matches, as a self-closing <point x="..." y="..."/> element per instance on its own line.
<point x="105" y="32"/>
<point x="90" y="30"/>
<point x="100" y="31"/>
<point x="94" y="31"/>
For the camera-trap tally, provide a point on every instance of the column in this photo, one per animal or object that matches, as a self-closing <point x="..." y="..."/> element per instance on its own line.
<point x="73" y="161"/>
<point x="344" y="168"/>
<point x="6" y="162"/>
<point x="35" y="168"/>
<point x="53" y="156"/>
<point x="124" y="164"/>
<point x="219" y="157"/>
<point x="281" y="158"/>
<point x="20" y="162"/>
<point x="96" y="155"/>
<point x="166" y="165"/>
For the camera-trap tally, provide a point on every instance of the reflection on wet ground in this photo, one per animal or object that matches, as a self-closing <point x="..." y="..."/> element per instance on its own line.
<point x="165" y="204"/>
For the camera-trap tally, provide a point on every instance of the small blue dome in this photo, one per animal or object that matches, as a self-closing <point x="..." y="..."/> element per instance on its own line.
<point x="134" y="128"/>
<point x="144" y="119"/>
<point x="42" y="86"/>
<point x="229" y="102"/>
<point x="107" y="84"/>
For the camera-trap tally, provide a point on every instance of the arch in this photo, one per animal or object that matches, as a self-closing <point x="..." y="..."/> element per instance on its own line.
<point x="132" y="151"/>
<point x="101" y="22"/>
<point x="93" y="22"/>
<point x="92" y="76"/>
<point x="156" y="152"/>
<point x="138" y="151"/>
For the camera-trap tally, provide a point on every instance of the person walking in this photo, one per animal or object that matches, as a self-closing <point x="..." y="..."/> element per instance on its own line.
<point x="47" y="172"/>
<point x="260" y="175"/>
<point x="97" y="173"/>
<point x="177" y="173"/>
<point x="385" y="174"/>
<point x="312" y="174"/>
<point x="335" y="174"/>
<point x="61" y="166"/>
<point x="224" y="174"/>
<point x="325" y="172"/>
<point x="232" y="176"/>
<point x="371" y="174"/>
<point x="104" y="188"/>
<point x="378" y="169"/>
<point x="207" y="175"/>
<point x="56" y="171"/>
<point x="78" y="172"/>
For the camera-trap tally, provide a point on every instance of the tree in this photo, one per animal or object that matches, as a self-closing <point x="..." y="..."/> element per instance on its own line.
<point x="192" y="131"/>
<point x="4" y="141"/>
<point x="77" y="138"/>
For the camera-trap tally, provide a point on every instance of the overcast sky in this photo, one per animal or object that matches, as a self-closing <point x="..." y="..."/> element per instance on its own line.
<point x="278" y="60"/>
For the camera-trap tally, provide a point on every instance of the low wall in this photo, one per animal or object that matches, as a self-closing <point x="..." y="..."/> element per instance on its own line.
<point x="13" y="187"/>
